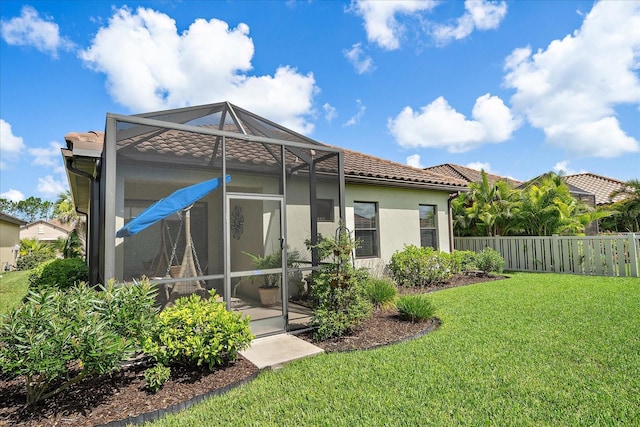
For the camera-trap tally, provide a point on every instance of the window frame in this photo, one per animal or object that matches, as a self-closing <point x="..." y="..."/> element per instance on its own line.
<point x="434" y="227"/>
<point x="319" y="203"/>
<point x="375" y="230"/>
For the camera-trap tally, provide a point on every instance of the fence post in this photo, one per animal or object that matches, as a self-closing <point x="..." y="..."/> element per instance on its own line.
<point x="633" y="254"/>
<point x="555" y="250"/>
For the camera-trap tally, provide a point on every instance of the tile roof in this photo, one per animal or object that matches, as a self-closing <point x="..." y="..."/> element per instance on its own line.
<point x="468" y="174"/>
<point x="359" y="166"/>
<point x="601" y="186"/>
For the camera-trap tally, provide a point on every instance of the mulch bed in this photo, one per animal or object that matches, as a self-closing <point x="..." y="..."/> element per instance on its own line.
<point x="101" y="400"/>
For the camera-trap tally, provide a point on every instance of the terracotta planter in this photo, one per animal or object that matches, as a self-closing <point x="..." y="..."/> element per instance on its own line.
<point x="268" y="296"/>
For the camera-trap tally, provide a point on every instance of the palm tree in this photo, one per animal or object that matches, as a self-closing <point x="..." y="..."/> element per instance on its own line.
<point x="629" y="207"/>
<point x="65" y="211"/>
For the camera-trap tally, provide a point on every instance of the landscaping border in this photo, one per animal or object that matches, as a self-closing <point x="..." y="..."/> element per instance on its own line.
<point x="177" y="407"/>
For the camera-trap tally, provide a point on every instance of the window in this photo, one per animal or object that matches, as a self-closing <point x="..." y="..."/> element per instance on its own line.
<point x="428" y="226"/>
<point x="366" y="228"/>
<point x="325" y="210"/>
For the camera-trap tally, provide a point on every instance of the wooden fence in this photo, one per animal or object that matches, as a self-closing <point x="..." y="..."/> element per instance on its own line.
<point x="590" y="255"/>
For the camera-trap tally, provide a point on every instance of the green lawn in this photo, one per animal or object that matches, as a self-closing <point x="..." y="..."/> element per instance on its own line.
<point x="537" y="349"/>
<point x="13" y="287"/>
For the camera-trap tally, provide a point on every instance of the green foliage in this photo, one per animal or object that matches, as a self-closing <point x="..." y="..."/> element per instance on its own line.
<point x="14" y="286"/>
<point x="29" y="210"/>
<point x="130" y="308"/>
<point x="381" y="292"/>
<point x="198" y="332"/>
<point x="156" y="376"/>
<point x="416" y="266"/>
<point x="273" y="260"/>
<point x="416" y="308"/>
<point x="33" y="252"/>
<point x="489" y="260"/>
<point x="60" y="273"/>
<point x="59" y="337"/>
<point x="338" y="292"/>
<point x="462" y="261"/>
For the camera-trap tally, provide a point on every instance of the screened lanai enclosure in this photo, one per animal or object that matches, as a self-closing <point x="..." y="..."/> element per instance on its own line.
<point x="215" y="198"/>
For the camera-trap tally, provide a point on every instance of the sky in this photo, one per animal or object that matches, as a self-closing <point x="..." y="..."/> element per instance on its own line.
<point x="517" y="88"/>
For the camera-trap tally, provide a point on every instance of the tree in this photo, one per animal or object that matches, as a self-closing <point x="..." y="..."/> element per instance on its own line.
<point x="627" y="217"/>
<point x="31" y="209"/>
<point x="65" y="211"/>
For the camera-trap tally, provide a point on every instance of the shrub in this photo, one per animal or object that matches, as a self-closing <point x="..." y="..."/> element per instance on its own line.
<point x="462" y="261"/>
<point x="381" y="292"/>
<point x="60" y="273"/>
<point x="338" y="293"/>
<point x="130" y="308"/>
<point x="489" y="260"/>
<point x="156" y="376"/>
<point x="416" y="308"/>
<point x="340" y="304"/>
<point x="198" y="332"/>
<point x="59" y="337"/>
<point x="30" y="261"/>
<point x="416" y="266"/>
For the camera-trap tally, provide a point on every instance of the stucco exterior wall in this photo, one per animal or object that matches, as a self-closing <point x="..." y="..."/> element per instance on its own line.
<point x="41" y="230"/>
<point x="398" y="214"/>
<point x="9" y="237"/>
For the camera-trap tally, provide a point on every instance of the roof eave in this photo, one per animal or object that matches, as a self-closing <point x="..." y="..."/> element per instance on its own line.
<point x="351" y="179"/>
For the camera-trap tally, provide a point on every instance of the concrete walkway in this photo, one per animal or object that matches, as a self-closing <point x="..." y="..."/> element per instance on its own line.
<point x="276" y="350"/>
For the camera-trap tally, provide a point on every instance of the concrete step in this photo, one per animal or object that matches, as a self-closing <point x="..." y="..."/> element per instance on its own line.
<point x="276" y="350"/>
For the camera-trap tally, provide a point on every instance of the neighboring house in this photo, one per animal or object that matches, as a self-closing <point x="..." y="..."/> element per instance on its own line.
<point x="468" y="175"/>
<point x="9" y="240"/>
<point x="599" y="186"/>
<point x="45" y="230"/>
<point x="281" y="191"/>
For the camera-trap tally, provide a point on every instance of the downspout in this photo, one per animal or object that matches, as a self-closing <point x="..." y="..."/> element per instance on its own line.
<point x="450" y="213"/>
<point x="92" y="224"/>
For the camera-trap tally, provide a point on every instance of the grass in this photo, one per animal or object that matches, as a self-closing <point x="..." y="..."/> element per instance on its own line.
<point x="537" y="349"/>
<point x="13" y="288"/>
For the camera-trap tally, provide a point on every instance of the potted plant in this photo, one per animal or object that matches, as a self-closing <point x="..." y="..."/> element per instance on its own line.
<point x="270" y="287"/>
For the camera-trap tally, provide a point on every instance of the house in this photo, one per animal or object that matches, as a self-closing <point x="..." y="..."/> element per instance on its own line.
<point x="45" y="230"/>
<point x="9" y="240"/>
<point x="240" y="185"/>
<point x="599" y="186"/>
<point x="468" y="174"/>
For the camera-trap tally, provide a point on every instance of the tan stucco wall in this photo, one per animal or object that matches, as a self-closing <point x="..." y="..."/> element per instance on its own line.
<point x="42" y="231"/>
<point x="399" y="218"/>
<point x="9" y="237"/>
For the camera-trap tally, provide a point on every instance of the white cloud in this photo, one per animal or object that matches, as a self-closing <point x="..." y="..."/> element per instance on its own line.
<point x="358" y="116"/>
<point x="330" y="112"/>
<point x="415" y="161"/>
<point x="438" y="125"/>
<point x="13" y="195"/>
<point x="49" y="157"/>
<point x="149" y="66"/>
<point x="360" y="61"/>
<point x="571" y="89"/>
<point x="479" y="166"/>
<point x="11" y="146"/>
<point x="380" y="19"/>
<point x="481" y="15"/>
<point x="51" y="187"/>
<point x="29" y="29"/>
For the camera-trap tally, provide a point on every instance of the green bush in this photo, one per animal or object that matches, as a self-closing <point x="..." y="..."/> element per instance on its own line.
<point x="59" y="337"/>
<point x="489" y="260"/>
<point x="462" y="261"/>
<point x="156" y="376"/>
<point x="340" y="304"/>
<point x="381" y="292"/>
<point x="198" y="332"/>
<point x="416" y="266"/>
<point x="60" y="273"/>
<point x="30" y="261"/>
<point x="130" y="308"/>
<point x="416" y="308"/>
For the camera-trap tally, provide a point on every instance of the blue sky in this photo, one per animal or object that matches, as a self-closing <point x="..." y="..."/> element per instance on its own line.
<point x="516" y="87"/>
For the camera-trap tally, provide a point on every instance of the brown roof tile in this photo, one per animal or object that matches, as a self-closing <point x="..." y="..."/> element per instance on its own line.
<point x="601" y="186"/>
<point x="468" y="174"/>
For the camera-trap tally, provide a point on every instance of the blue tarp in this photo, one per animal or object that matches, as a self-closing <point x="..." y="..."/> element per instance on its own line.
<point x="171" y="204"/>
